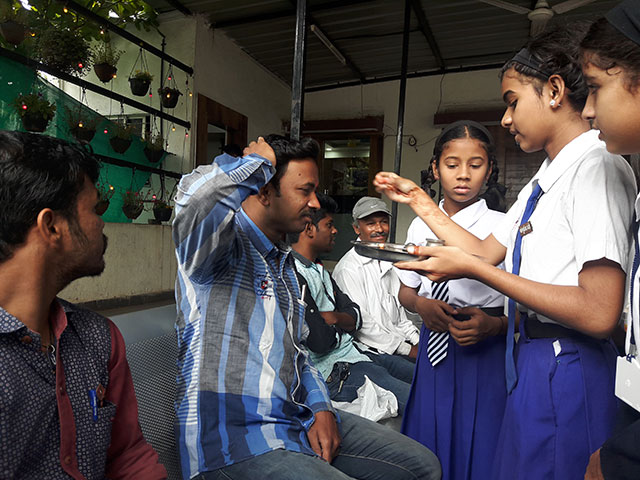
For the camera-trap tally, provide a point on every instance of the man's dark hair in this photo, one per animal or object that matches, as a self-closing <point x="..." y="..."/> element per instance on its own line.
<point x="328" y="206"/>
<point x="37" y="172"/>
<point x="287" y="150"/>
<point x="557" y="51"/>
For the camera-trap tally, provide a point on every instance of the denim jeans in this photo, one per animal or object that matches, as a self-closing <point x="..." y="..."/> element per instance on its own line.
<point x="376" y="373"/>
<point x="397" y="365"/>
<point x="368" y="452"/>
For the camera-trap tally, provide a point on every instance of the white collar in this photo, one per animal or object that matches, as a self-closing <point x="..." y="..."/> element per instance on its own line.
<point x="550" y="171"/>
<point x="469" y="215"/>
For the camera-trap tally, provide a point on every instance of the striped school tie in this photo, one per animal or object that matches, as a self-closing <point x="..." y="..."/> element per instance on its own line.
<point x="438" y="341"/>
<point x="525" y="226"/>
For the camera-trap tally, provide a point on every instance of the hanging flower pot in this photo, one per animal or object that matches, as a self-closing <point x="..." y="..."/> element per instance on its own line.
<point x="169" y="96"/>
<point x="121" y="139"/>
<point x="12" y="32"/>
<point x="140" y="82"/>
<point x="105" y="72"/>
<point x="35" y="123"/>
<point x="102" y="207"/>
<point x="154" y="148"/>
<point x="154" y="156"/>
<point x="35" y="111"/>
<point x="161" y="211"/>
<point x="132" y="204"/>
<point x="120" y="145"/>
<point x="83" y="134"/>
<point x="132" y="211"/>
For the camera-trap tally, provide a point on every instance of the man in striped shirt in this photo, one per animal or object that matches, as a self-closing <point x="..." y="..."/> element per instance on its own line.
<point x="249" y="400"/>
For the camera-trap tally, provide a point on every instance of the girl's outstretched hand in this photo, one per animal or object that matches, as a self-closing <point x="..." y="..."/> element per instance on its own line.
<point x="441" y="263"/>
<point x="395" y="187"/>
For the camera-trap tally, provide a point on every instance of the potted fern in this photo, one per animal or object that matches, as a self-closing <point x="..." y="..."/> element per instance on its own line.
<point x="122" y="137"/>
<point x="35" y="111"/>
<point x="105" y="59"/>
<point x="140" y="82"/>
<point x="132" y="204"/>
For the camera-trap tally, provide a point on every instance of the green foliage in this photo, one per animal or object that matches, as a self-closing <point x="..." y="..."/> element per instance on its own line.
<point x="81" y="116"/>
<point x="64" y="50"/>
<point x="34" y="104"/>
<point x="105" y="53"/>
<point x="119" y="130"/>
<point x="50" y="13"/>
<point x="155" y="142"/>
<point x="142" y="75"/>
<point x="12" y="10"/>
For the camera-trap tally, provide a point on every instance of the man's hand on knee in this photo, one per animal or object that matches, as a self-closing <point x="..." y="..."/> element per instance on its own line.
<point x="324" y="436"/>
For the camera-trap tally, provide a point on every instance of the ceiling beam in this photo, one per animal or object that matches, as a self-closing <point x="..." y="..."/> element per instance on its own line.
<point x="428" y="34"/>
<point x="390" y="78"/>
<point x="180" y="7"/>
<point x="286" y="13"/>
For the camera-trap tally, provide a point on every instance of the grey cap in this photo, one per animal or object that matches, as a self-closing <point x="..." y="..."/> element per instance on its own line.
<point x="368" y="205"/>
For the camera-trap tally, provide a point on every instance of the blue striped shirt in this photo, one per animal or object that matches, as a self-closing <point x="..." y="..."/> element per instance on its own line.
<point x="245" y="384"/>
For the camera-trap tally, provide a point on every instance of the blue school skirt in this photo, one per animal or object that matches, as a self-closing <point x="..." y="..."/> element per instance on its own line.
<point x="561" y="410"/>
<point x="455" y="409"/>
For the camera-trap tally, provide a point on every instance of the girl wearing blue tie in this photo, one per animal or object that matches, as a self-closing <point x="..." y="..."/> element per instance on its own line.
<point x="565" y="244"/>
<point x="611" y="65"/>
<point x="458" y="397"/>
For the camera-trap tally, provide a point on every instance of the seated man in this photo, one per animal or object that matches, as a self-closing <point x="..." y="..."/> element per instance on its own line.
<point x="374" y="286"/>
<point x="250" y="403"/>
<point x="67" y="404"/>
<point x="332" y="316"/>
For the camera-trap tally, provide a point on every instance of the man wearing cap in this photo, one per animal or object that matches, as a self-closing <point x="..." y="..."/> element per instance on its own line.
<point x="374" y="285"/>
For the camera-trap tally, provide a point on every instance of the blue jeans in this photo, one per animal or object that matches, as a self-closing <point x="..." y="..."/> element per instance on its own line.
<point x="400" y="367"/>
<point x="376" y="373"/>
<point x="368" y="452"/>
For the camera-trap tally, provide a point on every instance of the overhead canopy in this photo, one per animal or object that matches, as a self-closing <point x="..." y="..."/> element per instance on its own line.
<point x="446" y="35"/>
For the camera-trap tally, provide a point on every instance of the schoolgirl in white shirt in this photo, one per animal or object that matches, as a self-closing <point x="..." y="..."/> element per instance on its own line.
<point x="611" y="65"/>
<point x="457" y="397"/>
<point x="567" y="238"/>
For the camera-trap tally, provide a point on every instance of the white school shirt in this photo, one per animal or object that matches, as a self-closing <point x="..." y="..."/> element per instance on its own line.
<point x="464" y="292"/>
<point x="374" y="286"/>
<point x="634" y="307"/>
<point x="583" y="215"/>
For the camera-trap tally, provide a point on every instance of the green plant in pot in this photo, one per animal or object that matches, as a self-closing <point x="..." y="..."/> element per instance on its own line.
<point x="162" y="210"/>
<point x="132" y="204"/>
<point x="140" y="82"/>
<point x="105" y="192"/>
<point x="35" y="111"/>
<point x="64" y="50"/>
<point x="105" y="59"/>
<point x="121" y="137"/>
<point x="82" y="124"/>
<point x="13" y="21"/>
<point x="154" y="148"/>
<point x="169" y="96"/>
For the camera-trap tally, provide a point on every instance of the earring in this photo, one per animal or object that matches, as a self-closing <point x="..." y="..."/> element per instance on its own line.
<point x="552" y="103"/>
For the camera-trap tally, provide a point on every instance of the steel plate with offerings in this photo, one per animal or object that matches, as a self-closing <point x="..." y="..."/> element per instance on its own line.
<point x="390" y="252"/>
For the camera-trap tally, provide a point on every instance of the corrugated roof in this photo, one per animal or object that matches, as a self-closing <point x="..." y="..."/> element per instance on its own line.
<point x="467" y="33"/>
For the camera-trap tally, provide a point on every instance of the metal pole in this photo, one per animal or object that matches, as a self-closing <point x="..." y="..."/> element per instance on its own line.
<point x="297" y="84"/>
<point x="401" y="102"/>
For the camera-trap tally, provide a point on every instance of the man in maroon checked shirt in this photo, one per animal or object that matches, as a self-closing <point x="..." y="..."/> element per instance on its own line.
<point x="67" y="404"/>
